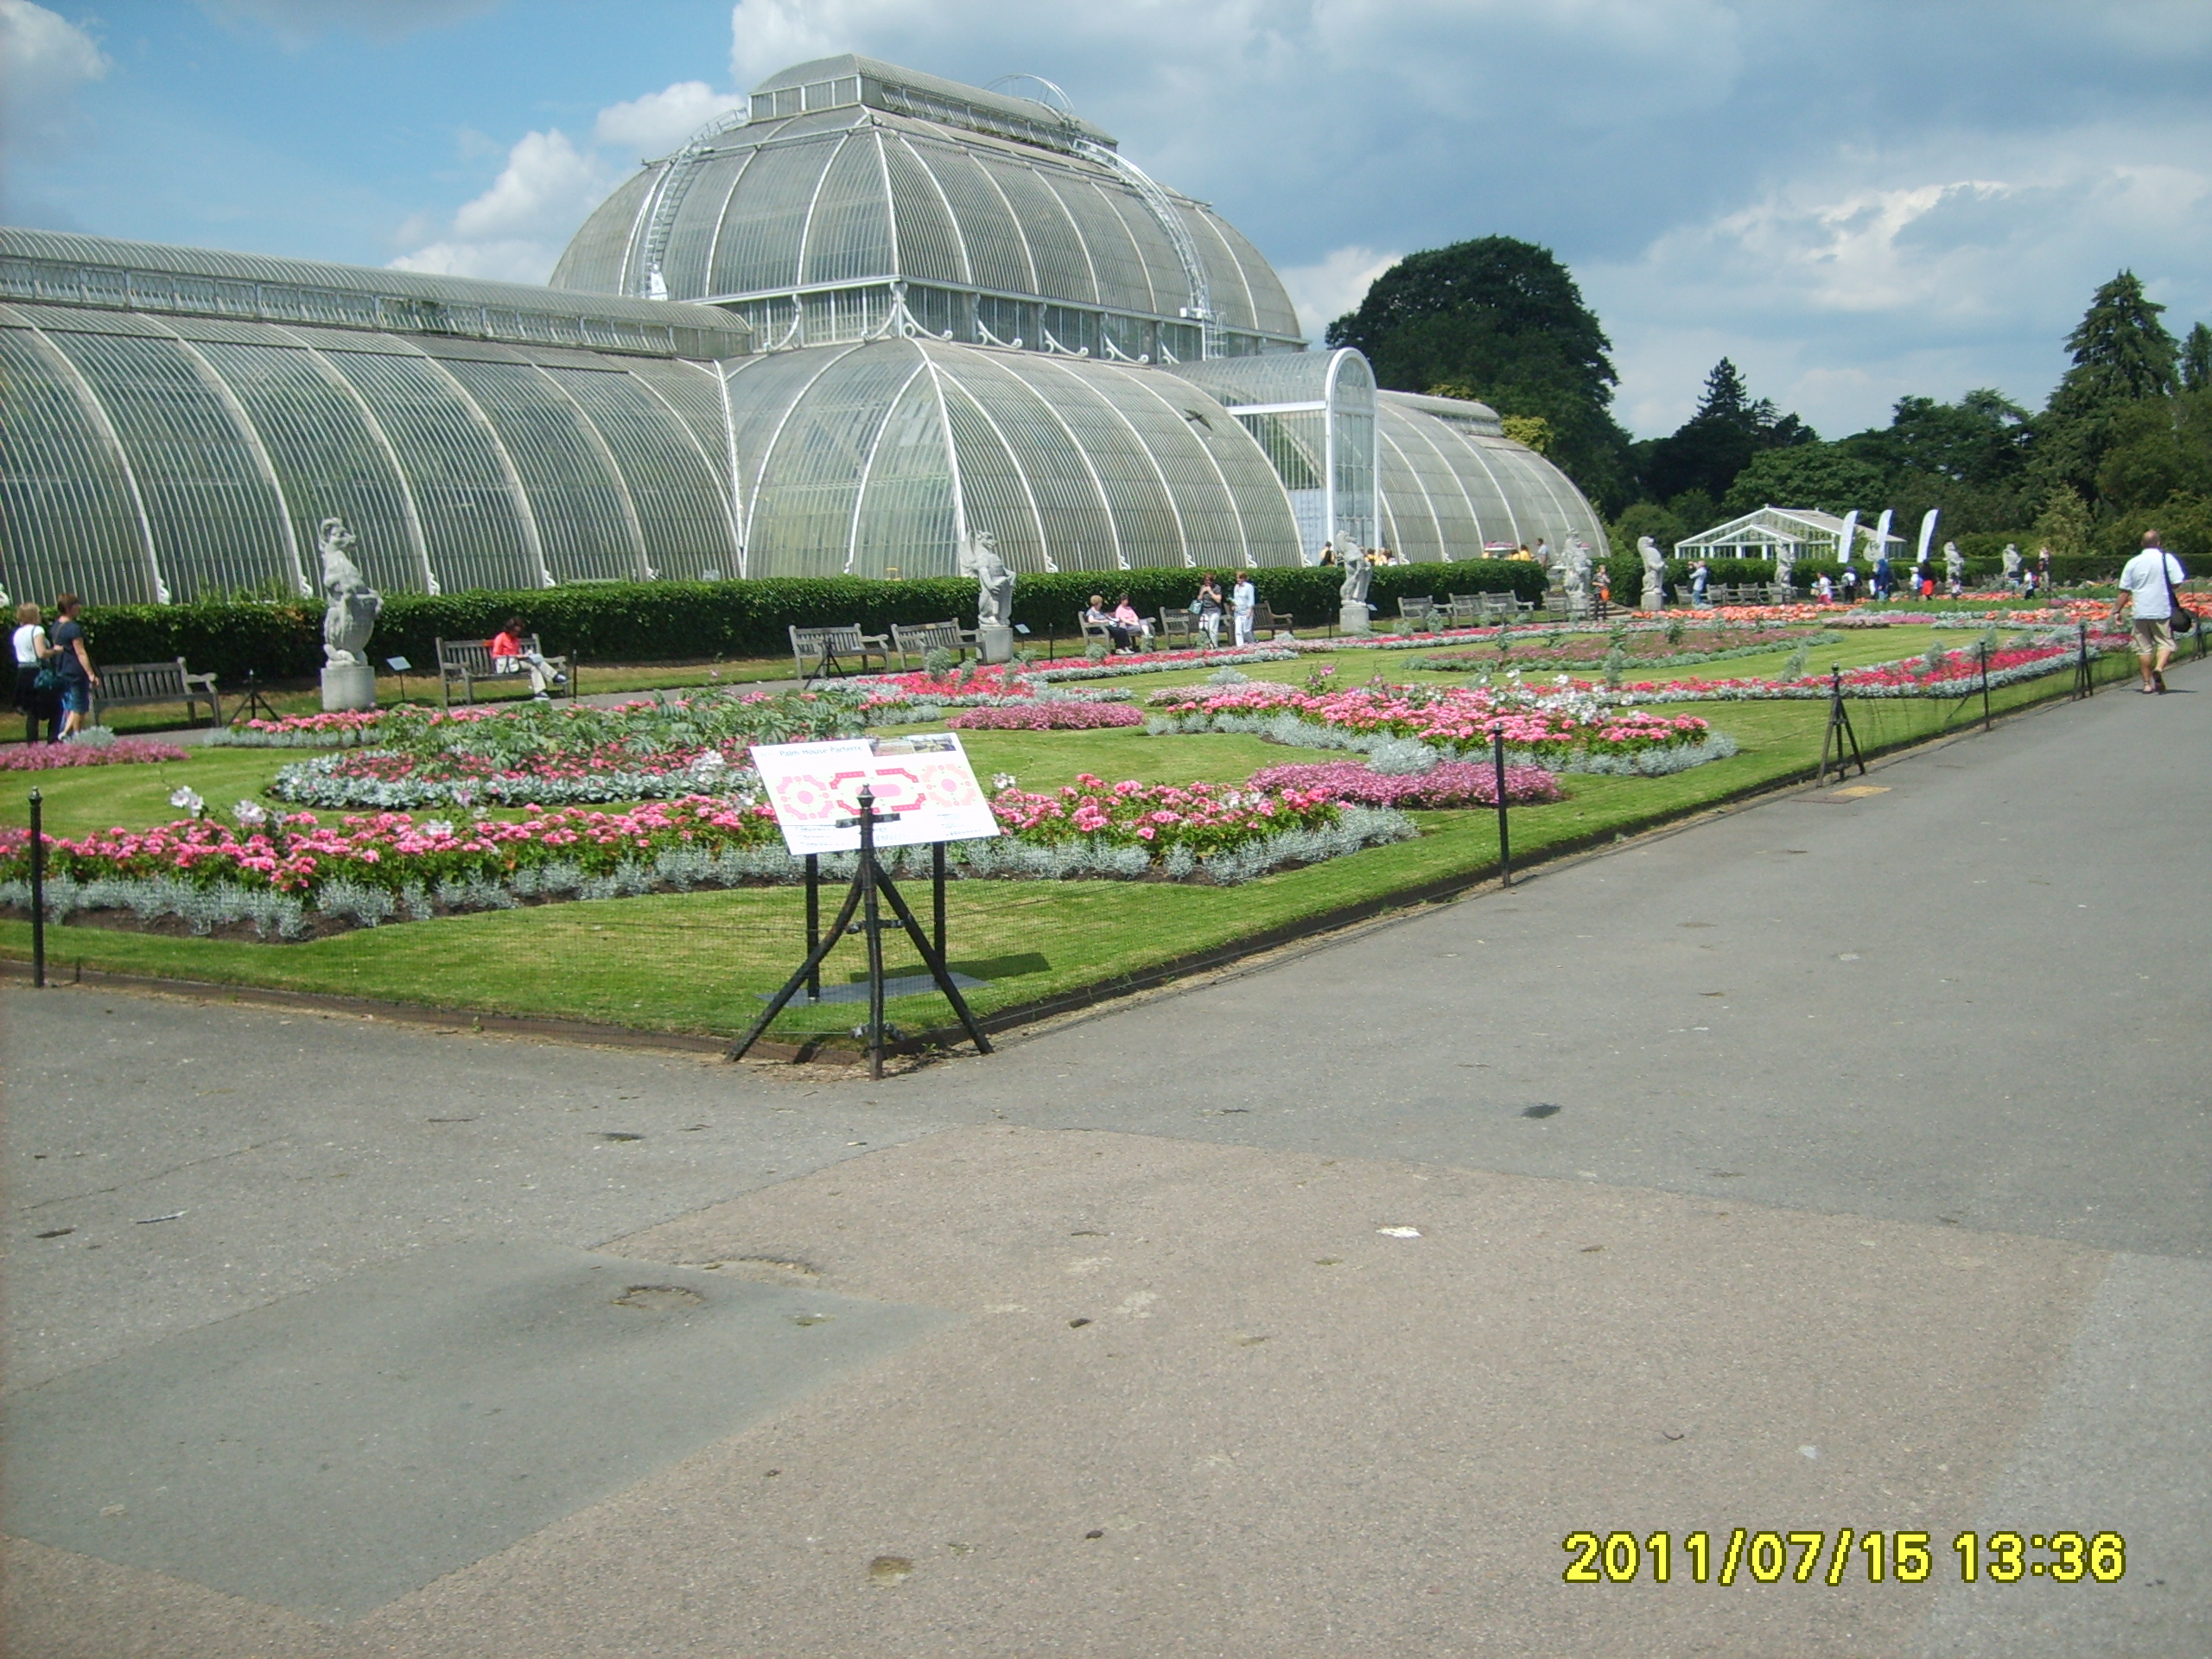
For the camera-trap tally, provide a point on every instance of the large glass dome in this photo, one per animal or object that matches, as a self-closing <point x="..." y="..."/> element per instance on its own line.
<point x="856" y="189"/>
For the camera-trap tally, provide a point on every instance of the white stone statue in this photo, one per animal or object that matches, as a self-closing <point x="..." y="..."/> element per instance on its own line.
<point x="1359" y="574"/>
<point x="1655" y="574"/>
<point x="1573" y="567"/>
<point x="351" y="605"/>
<point x="1955" y="562"/>
<point x="2012" y="556"/>
<point x="979" y="557"/>
<point x="1785" y="564"/>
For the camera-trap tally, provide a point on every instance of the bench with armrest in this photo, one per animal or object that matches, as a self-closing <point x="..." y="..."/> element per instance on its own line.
<point x="1268" y="622"/>
<point x="1421" y="613"/>
<point x="470" y="660"/>
<point x="122" y="684"/>
<point x="1178" y="630"/>
<point x="919" y="639"/>
<point x="1103" y="634"/>
<point x="820" y="653"/>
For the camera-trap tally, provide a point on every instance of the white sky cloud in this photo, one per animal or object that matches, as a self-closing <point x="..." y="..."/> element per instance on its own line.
<point x="661" y="121"/>
<point x="1326" y="291"/>
<point x="45" y="60"/>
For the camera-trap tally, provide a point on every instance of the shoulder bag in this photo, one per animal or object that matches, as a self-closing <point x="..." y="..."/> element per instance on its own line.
<point x="2181" y="619"/>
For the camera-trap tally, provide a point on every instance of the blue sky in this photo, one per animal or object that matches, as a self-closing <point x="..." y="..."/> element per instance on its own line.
<point x="1853" y="198"/>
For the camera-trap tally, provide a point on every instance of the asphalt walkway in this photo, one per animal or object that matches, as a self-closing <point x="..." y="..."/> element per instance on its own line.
<point x="1839" y="1162"/>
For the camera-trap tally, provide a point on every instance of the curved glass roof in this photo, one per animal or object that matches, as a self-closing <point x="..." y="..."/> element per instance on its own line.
<point x="874" y="459"/>
<point x="68" y="269"/>
<point x="1449" y="491"/>
<point x="893" y="178"/>
<point x="146" y="459"/>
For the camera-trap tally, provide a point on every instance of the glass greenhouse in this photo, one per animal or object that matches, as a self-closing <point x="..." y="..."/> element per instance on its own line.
<point x="879" y="312"/>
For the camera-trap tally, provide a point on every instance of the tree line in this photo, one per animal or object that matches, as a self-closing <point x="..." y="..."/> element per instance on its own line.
<point x="2123" y="443"/>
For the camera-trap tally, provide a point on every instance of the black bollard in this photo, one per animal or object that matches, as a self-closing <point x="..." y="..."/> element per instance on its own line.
<point x="813" y="925"/>
<point x="38" y="889"/>
<point x="1504" y="841"/>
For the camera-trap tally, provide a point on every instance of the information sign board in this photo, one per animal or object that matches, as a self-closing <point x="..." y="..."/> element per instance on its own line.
<point x="927" y="780"/>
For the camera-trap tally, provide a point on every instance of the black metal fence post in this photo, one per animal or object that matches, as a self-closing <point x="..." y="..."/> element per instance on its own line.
<point x="2085" y="684"/>
<point x="1985" y="685"/>
<point x="937" y="895"/>
<point x="872" y="922"/>
<point x="38" y="889"/>
<point x="1504" y="838"/>
<point x="813" y="925"/>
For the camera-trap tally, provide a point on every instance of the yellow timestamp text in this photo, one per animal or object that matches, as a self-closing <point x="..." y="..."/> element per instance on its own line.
<point x="1768" y="1556"/>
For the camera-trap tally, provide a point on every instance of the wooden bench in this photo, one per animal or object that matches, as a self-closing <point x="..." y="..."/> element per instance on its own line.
<point x="1506" y="604"/>
<point x="1178" y="630"/>
<point x="122" y="684"/>
<point x="1098" y="631"/>
<point x="1421" y="613"/>
<point x="819" y="653"/>
<point x="1465" y="610"/>
<point x="1268" y="622"/>
<point x="922" y="637"/>
<point x="470" y="660"/>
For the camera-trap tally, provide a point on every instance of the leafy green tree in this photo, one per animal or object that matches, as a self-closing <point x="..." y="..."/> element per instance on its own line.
<point x="1532" y="429"/>
<point x="2196" y="359"/>
<point x="1822" y="475"/>
<point x="1649" y="518"/>
<point x="1708" y="450"/>
<point x="2122" y="354"/>
<point x="1505" y="320"/>
<point x="2063" y="525"/>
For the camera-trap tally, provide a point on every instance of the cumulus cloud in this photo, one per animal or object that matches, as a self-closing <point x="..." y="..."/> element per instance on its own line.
<point x="45" y="60"/>
<point x="1840" y="292"/>
<point x="661" y="121"/>
<point x="1337" y="284"/>
<point x="514" y="232"/>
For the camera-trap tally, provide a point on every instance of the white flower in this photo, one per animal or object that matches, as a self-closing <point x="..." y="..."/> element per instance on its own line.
<point x="187" y="797"/>
<point x="441" y="828"/>
<point x="250" y="814"/>
<point x="1002" y="780"/>
<point x="710" y="763"/>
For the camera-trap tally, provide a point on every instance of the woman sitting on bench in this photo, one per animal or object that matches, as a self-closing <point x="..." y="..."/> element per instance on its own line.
<point x="1099" y="616"/>
<point x="510" y="656"/>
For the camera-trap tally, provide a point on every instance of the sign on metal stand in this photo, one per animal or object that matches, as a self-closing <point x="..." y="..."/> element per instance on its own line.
<point x="1838" y="733"/>
<point x="861" y="795"/>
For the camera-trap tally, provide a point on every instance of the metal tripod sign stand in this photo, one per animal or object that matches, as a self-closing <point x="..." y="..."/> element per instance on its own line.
<point x="871" y="888"/>
<point x="1838" y="734"/>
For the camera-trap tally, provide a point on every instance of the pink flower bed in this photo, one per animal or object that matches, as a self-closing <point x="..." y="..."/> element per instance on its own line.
<point x="1203" y="817"/>
<point x="1459" y="714"/>
<point x="52" y="757"/>
<point x="1048" y="714"/>
<point x="295" y="853"/>
<point x="1450" y="784"/>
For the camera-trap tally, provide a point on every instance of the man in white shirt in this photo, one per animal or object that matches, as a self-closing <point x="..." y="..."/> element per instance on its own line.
<point x="2147" y="584"/>
<point x="1241" y="600"/>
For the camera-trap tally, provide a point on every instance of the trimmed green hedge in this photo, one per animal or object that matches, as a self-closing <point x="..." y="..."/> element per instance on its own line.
<point x="689" y="621"/>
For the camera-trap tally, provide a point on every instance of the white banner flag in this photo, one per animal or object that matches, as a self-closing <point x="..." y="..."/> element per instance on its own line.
<point x="927" y="780"/>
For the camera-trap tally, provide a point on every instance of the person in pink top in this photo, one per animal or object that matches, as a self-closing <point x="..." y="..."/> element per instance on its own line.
<point x="510" y="655"/>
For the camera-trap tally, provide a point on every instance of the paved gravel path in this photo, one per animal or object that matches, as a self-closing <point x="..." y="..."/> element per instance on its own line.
<point x="1841" y="1161"/>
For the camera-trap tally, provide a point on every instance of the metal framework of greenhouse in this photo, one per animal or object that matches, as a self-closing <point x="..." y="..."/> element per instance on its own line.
<point x="880" y="313"/>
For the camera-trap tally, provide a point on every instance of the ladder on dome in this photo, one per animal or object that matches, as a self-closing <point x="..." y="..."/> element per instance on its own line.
<point x="675" y="184"/>
<point x="1163" y="209"/>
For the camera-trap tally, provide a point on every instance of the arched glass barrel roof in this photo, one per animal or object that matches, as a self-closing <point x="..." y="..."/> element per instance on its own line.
<point x="853" y="179"/>
<point x="873" y="459"/>
<point x="1452" y="485"/>
<point x="157" y="445"/>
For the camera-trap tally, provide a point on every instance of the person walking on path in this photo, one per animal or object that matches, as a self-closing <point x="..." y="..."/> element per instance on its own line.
<point x="1243" y="598"/>
<point x="2147" y="584"/>
<point x="34" y="652"/>
<point x="75" y="668"/>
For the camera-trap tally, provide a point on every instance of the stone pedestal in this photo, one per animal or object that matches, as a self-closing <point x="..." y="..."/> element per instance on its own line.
<point x="995" y="645"/>
<point x="1354" y="617"/>
<point x="1655" y="598"/>
<point x="347" y="687"/>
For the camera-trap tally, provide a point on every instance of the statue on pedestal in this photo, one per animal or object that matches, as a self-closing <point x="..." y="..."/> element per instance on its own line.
<point x="349" y="617"/>
<point x="1353" y="614"/>
<point x="1573" y="567"/>
<point x="1655" y="574"/>
<point x="1785" y="565"/>
<point x="351" y="605"/>
<point x="2012" y="556"/>
<point x="979" y="557"/>
<point x="1955" y="562"/>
